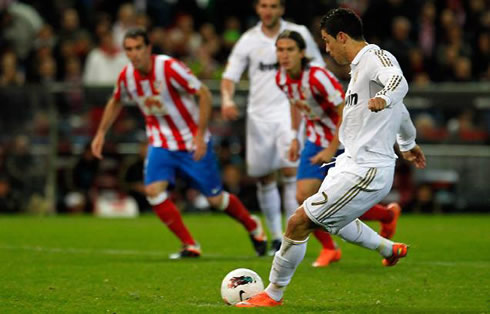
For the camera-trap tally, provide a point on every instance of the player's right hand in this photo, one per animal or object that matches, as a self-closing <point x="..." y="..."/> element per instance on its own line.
<point x="97" y="144"/>
<point x="229" y="111"/>
<point x="293" y="153"/>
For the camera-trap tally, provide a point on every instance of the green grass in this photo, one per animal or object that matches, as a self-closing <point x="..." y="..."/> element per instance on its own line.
<point x="90" y="265"/>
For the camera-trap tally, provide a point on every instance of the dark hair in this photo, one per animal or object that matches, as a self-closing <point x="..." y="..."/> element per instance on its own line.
<point x="137" y="32"/>
<point x="282" y="3"/>
<point x="294" y="35"/>
<point x="342" y="20"/>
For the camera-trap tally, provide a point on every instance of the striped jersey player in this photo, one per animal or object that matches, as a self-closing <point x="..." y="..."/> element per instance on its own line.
<point x="179" y="140"/>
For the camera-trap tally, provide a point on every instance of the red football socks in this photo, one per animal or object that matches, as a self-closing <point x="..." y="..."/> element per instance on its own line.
<point x="378" y="212"/>
<point x="238" y="211"/>
<point x="325" y="239"/>
<point x="170" y="215"/>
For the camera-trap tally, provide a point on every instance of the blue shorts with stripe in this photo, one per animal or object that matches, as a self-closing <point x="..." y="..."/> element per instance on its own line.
<point x="306" y="169"/>
<point x="164" y="165"/>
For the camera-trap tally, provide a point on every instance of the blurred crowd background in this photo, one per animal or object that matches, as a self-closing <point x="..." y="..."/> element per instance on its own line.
<point x="60" y="59"/>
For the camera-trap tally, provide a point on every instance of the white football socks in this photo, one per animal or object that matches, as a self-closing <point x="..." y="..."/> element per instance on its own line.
<point x="289" y="195"/>
<point x="284" y="265"/>
<point x="270" y="204"/>
<point x="359" y="233"/>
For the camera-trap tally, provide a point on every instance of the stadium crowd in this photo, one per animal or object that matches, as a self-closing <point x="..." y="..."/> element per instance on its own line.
<point x="79" y="43"/>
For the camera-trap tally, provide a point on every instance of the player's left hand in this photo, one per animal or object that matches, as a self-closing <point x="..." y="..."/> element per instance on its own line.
<point x="415" y="156"/>
<point x="323" y="156"/>
<point x="376" y="104"/>
<point x="199" y="147"/>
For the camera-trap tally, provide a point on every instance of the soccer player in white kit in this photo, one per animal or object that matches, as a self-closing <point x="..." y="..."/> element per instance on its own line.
<point x="374" y="118"/>
<point x="268" y="119"/>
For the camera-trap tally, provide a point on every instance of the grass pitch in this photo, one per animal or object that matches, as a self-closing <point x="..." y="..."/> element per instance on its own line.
<point x="91" y="265"/>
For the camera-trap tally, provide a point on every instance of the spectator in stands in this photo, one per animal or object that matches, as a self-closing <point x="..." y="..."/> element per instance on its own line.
<point x="183" y="37"/>
<point x="104" y="62"/>
<point x="160" y="40"/>
<point x="209" y="39"/>
<point x="400" y="44"/>
<point x="10" y="74"/>
<point x="230" y="35"/>
<point x="427" y="29"/>
<point x="73" y="32"/>
<point x="125" y="20"/>
<point x="481" y="60"/>
<point x="47" y="70"/>
<point x="82" y="180"/>
<point x="418" y="68"/>
<point x="10" y="199"/>
<point x="462" y="70"/>
<point x="19" y="26"/>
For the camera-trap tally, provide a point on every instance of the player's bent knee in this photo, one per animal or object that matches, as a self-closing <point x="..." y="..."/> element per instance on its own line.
<point x="299" y="226"/>
<point x="220" y="201"/>
<point x="300" y="196"/>
<point x="267" y="179"/>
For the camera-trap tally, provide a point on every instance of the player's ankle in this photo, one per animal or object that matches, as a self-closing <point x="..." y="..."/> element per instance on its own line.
<point x="275" y="292"/>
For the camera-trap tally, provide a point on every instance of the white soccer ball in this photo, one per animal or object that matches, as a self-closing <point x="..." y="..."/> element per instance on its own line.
<point x="239" y="285"/>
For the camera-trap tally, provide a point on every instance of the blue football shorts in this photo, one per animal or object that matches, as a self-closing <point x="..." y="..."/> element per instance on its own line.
<point x="306" y="169"/>
<point x="162" y="164"/>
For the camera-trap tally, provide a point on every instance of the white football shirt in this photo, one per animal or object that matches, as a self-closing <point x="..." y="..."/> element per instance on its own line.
<point x="369" y="136"/>
<point x="258" y="52"/>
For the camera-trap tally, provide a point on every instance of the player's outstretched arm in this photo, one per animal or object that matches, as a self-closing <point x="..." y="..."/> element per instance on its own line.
<point x="415" y="156"/>
<point x="229" y="110"/>
<point x="205" y="99"/>
<point x="111" y="111"/>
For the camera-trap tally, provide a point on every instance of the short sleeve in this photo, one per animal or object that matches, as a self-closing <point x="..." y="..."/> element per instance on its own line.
<point x="182" y="78"/>
<point x="120" y="87"/>
<point x="237" y="61"/>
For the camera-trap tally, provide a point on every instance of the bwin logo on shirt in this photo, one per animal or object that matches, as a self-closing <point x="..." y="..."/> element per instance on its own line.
<point x="351" y="99"/>
<point x="268" y="67"/>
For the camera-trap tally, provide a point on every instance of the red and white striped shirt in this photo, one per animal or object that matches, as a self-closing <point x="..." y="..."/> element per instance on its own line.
<point x="316" y="94"/>
<point x="165" y="97"/>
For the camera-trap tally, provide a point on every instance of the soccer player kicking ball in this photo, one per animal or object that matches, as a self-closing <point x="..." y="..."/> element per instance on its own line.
<point x="180" y="142"/>
<point x="315" y="93"/>
<point x="373" y="115"/>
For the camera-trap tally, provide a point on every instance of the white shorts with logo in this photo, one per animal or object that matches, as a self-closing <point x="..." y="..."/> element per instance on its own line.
<point x="267" y="146"/>
<point x="347" y="192"/>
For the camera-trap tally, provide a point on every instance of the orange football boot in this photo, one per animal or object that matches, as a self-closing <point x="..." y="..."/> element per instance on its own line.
<point x="260" y="300"/>
<point x="327" y="256"/>
<point x="388" y="229"/>
<point x="399" y="250"/>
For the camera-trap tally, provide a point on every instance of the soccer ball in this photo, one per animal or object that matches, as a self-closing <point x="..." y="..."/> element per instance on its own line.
<point x="239" y="285"/>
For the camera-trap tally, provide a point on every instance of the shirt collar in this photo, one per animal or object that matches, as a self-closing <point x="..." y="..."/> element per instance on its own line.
<point x="361" y="52"/>
<point x="282" y="27"/>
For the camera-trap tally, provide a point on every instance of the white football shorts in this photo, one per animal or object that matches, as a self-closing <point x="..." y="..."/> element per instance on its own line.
<point x="267" y="146"/>
<point x="347" y="192"/>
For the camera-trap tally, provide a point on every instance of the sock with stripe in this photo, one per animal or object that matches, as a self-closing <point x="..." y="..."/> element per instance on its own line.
<point x="379" y="213"/>
<point x="284" y="265"/>
<point x="170" y="215"/>
<point x="359" y="233"/>
<point x="235" y="209"/>
<point x="270" y="204"/>
<point x="325" y="239"/>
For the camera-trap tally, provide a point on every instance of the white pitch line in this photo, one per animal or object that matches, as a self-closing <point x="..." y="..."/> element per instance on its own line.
<point x="477" y="264"/>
